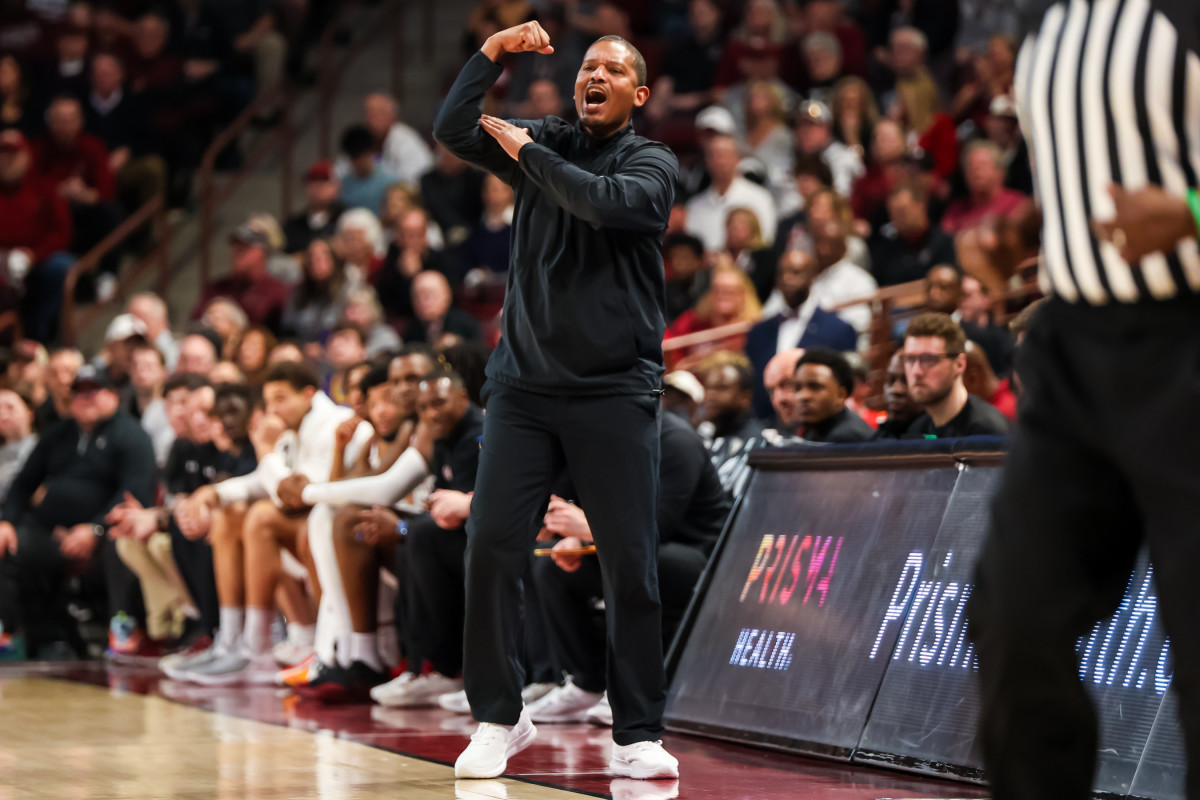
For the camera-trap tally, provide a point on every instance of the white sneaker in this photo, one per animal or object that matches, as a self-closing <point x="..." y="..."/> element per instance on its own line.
<point x="480" y="790"/>
<point x="567" y="703"/>
<point x="177" y="664"/>
<point x="418" y="692"/>
<point x="492" y="746"/>
<point x="536" y="691"/>
<point x="289" y="654"/>
<point x="383" y="691"/>
<point x="601" y="713"/>
<point x="643" y="760"/>
<point x="234" y="667"/>
<point x="456" y="702"/>
<point x="629" y="789"/>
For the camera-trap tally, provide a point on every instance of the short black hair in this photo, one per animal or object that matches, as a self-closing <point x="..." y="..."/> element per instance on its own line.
<point x="357" y="140"/>
<point x="837" y="363"/>
<point x="298" y="376"/>
<point x="229" y="391"/>
<point x="469" y="360"/>
<point x="692" y="243"/>
<point x="376" y="376"/>
<point x="189" y="381"/>
<point x="639" y="62"/>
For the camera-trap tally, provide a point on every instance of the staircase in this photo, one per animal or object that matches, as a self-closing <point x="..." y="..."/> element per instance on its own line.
<point x="429" y="38"/>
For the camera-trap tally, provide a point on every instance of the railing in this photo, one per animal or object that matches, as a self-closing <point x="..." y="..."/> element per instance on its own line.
<point x="153" y="212"/>
<point x="888" y="306"/>
<point x="387" y="18"/>
<point x="279" y="140"/>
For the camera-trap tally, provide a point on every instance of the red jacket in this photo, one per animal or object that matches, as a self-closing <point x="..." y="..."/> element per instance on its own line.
<point x="35" y="217"/>
<point x="88" y="159"/>
<point x="262" y="298"/>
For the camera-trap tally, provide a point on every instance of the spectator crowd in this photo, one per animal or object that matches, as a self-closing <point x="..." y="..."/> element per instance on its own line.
<point x="306" y="450"/>
<point x="107" y="104"/>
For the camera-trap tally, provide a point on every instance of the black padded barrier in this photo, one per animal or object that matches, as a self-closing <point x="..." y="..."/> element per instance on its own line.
<point x="830" y="622"/>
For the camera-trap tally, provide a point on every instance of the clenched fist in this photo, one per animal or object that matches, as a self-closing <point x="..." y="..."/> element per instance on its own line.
<point x="529" y="37"/>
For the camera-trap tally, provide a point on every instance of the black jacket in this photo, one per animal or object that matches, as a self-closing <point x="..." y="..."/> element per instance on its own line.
<point x="583" y="313"/>
<point x="977" y="418"/>
<point x="456" y="321"/>
<point x="299" y="234"/>
<point x="84" y="475"/>
<point x="190" y="465"/>
<point x="844" y="427"/>
<point x="456" y="458"/>
<point x="692" y="503"/>
<point x="895" y="260"/>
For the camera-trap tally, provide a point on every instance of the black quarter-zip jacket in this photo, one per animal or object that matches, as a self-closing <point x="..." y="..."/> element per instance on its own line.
<point x="583" y="313"/>
<point x="84" y="475"/>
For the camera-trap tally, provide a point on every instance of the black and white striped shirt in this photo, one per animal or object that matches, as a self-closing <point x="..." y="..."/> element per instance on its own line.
<point x="1108" y="91"/>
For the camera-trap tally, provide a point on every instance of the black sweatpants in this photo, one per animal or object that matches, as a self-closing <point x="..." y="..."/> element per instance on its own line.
<point x="32" y="585"/>
<point x="610" y="446"/>
<point x="1104" y="457"/>
<point x="437" y="573"/>
<point x="577" y="640"/>
<point x="195" y="562"/>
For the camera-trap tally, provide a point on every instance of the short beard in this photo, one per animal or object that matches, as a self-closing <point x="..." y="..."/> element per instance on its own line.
<point x="934" y="399"/>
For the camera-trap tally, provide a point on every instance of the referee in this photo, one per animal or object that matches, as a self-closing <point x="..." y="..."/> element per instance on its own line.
<point x="573" y="385"/>
<point x="1106" y="453"/>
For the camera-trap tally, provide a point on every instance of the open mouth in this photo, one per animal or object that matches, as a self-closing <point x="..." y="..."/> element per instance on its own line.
<point x="594" y="98"/>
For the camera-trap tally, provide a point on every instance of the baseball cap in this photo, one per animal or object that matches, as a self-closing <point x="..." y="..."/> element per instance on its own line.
<point x="814" y="111"/>
<point x="684" y="381"/>
<point x="12" y="139"/>
<point x="89" y="378"/>
<point x="250" y="234"/>
<point x="716" y="119"/>
<point x="320" y="171"/>
<point x="124" y="326"/>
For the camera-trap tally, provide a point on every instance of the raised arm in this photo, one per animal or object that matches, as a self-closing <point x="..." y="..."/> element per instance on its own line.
<point x="457" y="122"/>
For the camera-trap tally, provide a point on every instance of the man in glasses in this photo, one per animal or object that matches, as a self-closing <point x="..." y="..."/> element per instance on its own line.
<point x="934" y="362"/>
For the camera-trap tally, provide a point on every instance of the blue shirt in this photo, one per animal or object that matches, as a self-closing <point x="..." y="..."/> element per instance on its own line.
<point x="365" y="192"/>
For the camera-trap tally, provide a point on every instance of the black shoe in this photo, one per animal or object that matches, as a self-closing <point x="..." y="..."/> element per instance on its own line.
<point x="337" y="684"/>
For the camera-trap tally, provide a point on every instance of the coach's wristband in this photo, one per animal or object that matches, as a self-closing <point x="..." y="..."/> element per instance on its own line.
<point x="1193" y="198"/>
<point x="402" y="528"/>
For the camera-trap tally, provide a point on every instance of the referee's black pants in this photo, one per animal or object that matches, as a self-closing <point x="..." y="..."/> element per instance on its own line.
<point x="1104" y="457"/>
<point x="610" y="446"/>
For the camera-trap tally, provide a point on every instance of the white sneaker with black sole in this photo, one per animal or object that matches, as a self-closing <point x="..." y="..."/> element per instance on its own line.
<point x="567" y="703"/>
<point x="643" y="761"/>
<point x="492" y="746"/>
